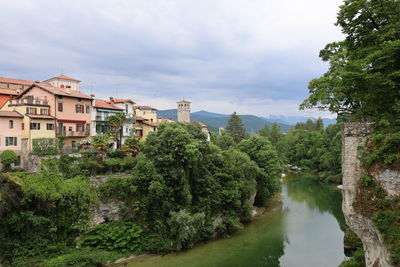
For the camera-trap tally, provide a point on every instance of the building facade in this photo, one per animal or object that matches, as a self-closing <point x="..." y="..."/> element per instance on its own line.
<point x="128" y="107"/>
<point x="11" y="131"/>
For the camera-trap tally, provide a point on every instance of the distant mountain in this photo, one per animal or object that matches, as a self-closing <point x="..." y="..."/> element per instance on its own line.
<point x="292" y="120"/>
<point x="214" y="120"/>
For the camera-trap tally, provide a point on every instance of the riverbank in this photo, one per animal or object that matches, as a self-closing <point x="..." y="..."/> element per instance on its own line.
<point x="305" y="219"/>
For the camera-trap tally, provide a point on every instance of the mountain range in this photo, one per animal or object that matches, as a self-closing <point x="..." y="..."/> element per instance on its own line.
<point x="252" y="123"/>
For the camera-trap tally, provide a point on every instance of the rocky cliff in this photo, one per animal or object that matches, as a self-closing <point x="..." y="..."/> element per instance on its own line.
<point x="354" y="136"/>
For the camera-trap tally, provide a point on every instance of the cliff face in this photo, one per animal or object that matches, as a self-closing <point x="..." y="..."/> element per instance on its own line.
<point x="354" y="136"/>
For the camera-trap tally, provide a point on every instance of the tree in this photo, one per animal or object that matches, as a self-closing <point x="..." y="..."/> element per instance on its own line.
<point x="319" y="124"/>
<point x="235" y="128"/>
<point x="363" y="79"/>
<point x="224" y="141"/>
<point x="101" y="144"/>
<point x="265" y="131"/>
<point x="275" y="134"/>
<point x="132" y="146"/>
<point x="115" y="122"/>
<point x="8" y="157"/>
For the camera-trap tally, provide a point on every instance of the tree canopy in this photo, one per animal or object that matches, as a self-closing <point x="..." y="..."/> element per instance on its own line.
<point x="235" y="128"/>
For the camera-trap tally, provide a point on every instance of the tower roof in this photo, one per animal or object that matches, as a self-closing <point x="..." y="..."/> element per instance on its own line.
<point x="184" y="101"/>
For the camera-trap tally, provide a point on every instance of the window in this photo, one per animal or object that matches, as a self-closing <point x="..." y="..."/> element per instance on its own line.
<point x="68" y="86"/>
<point x="60" y="106"/>
<point x="31" y="111"/>
<point x="35" y="126"/>
<point x="73" y="143"/>
<point x="87" y="108"/>
<point x="22" y="126"/>
<point x="62" y="86"/>
<point x="44" y="111"/>
<point x="126" y="109"/>
<point x="50" y="126"/>
<point x="70" y="128"/>
<point x="79" y="127"/>
<point x="11" y="141"/>
<point x="79" y="108"/>
<point x="10" y="124"/>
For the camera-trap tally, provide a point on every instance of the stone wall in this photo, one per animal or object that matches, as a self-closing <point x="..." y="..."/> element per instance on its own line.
<point x="354" y="136"/>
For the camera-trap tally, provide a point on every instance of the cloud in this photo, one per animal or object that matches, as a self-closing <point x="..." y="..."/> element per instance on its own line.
<point x="218" y="53"/>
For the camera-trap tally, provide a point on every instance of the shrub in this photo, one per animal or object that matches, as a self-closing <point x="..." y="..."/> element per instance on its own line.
<point x="8" y="157"/>
<point x="123" y="236"/>
<point x="84" y="257"/>
<point x="119" y="154"/>
<point x="45" y="146"/>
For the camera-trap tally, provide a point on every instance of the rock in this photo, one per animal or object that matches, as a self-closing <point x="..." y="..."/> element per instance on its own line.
<point x="106" y="211"/>
<point x="376" y="253"/>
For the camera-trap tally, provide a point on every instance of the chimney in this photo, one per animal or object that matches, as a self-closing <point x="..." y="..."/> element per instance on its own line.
<point x="112" y="99"/>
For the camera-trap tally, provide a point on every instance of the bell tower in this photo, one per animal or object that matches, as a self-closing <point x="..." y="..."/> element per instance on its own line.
<point x="184" y="110"/>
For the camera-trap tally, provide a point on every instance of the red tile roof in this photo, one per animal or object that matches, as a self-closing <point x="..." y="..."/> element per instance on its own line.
<point x="8" y="91"/>
<point x="38" y="116"/>
<point x="104" y="104"/>
<point x="11" y="114"/>
<point x="15" y="81"/>
<point x="56" y="91"/>
<point x="145" y="108"/>
<point x="118" y="101"/>
<point x="64" y="77"/>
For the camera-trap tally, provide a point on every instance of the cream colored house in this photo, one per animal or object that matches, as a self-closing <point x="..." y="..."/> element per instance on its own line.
<point x="146" y="121"/>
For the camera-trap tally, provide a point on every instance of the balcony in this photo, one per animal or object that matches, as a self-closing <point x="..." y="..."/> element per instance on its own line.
<point x="29" y="101"/>
<point x="73" y="133"/>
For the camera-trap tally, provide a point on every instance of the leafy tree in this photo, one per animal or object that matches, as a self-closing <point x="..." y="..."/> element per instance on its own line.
<point x="235" y="128"/>
<point x="132" y="145"/>
<point x="224" y="141"/>
<point x="115" y="122"/>
<point x="264" y="154"/>
<point x="265" y="131"/>
<point x="101" y="145"/>
<point x="275" y="134"/>
<point x="8" y="157"/>
<point x="363" y="78"/>
<point x="319" y="124"/>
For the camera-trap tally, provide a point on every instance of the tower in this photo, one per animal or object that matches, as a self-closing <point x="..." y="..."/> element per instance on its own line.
<point x="183" y="110"/>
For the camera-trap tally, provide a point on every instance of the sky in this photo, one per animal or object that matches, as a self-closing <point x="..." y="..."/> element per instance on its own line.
<point x="249" y="56"/>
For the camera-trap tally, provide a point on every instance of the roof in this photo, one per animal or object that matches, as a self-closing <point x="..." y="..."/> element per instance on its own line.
<point x="139" y="118"/>
<point x="8" y="91"/>
<point x="184" y="101"/>
<point x="10" y="114"/>
<point x="55" y="90"/>
<point x="153" y="124"/>
<point x="38" y="116"/>
<point x="64" y="77"/>
<point x="198" y="123"/>
<point x="15" y="81"/>
<point x="104" y="104"/>
<point x="119" y="101"/>
<point x="145" y="108"/>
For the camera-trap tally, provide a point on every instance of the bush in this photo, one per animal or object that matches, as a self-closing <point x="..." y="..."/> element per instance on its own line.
<point x="8" y="157"/>
<point x="119" y="154"/>
<point x="123" y="236"/>
<point x="45" y="146"/>
<point x="356" y="260"/>
<point x="84" y="257"/>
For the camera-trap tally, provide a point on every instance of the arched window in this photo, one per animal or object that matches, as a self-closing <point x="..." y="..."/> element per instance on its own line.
<point x="10" y="124"/>
<point x="62" y="86"/>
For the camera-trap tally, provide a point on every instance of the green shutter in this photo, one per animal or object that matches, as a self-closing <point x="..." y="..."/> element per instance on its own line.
<point x="15" y="141"/>
<point x="7" y="141"/>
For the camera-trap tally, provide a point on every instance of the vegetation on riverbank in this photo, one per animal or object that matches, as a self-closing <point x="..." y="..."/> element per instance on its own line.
<point x="182" y="189"/>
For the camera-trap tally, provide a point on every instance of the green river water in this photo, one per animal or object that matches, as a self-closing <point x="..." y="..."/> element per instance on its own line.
<point x="302" y="228"/>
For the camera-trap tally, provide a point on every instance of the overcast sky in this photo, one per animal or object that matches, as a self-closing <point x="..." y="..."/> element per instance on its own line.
<point x="250" y="56"/>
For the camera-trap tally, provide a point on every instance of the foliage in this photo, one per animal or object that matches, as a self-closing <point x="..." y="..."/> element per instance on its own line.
<point x="124" y="236"/>
<point x="352" y="240"/>
<point x="115" y="122"/>
<point x="264" y="154"/>
<point x="235" y="128"/>
<point x="117" y="153"/>
<point x="101" y="144"/>
<point x="83" y="257"/>
<point x="132" y="145"/>
<point x="185" y="228"/>
<point x="357" y="260"/>
<point x="8" y="157"/>
<point x="112" y="164"/>
<point x="224" y="141"/>
<point x="45" y="146"/>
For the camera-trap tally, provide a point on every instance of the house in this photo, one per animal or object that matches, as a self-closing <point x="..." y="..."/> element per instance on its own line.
<point x="127" y="105"/>
<point x="70" y="108"/>
<point x="146" y="121"/>
<point x="11" y="131"/>
<point x="37" y="121"/>
<point x="101" y="111"/>
<point x="10" y="88"/>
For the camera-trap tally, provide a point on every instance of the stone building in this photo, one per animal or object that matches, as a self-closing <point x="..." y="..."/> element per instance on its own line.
<point x="184" y="110"/>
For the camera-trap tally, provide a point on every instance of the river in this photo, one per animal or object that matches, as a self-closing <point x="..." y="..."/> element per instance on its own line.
<point x="303" y="227"/>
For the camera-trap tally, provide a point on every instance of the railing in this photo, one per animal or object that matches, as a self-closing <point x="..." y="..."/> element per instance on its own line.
<point x="73" y="133"/>
<point x="29" y="101"/>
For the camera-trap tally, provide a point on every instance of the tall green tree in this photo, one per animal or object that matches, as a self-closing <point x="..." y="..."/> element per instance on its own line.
<point x="115" y="122"/>
<point x="235" y="128"/>
<point x="363" y="79"/>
